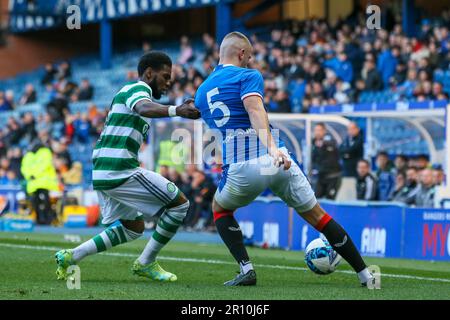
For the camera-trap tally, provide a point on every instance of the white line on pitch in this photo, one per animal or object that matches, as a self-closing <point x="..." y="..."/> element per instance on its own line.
<point x="210" y="261"/>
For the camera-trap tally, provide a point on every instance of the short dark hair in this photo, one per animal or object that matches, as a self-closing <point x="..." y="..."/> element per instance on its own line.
<point x="155" y="60"/>
<point x="383" y="153"/>
<point x="321" y="124"/>
<point x="422" y="157"/>
<point x="403" y="157"/>
<point x="365" y="161"/>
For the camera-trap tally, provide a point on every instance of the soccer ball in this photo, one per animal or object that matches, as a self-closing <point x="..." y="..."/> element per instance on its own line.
<point x="320" y="257"/>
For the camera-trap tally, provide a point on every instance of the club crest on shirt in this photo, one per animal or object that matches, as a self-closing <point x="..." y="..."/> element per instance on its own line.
<point x="171" y="187"/>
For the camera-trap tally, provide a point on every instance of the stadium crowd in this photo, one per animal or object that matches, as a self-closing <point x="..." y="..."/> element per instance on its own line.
<point x="304" y="64"/>
<point x="310" y="63"/>
<point x="408" y="180"/>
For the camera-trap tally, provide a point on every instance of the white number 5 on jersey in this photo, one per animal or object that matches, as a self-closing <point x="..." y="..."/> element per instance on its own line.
<point x="218" y="105"/>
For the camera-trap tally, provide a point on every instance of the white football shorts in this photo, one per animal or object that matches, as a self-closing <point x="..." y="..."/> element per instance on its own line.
<point x="144" y="194"/>
<point x="243" y="182"/>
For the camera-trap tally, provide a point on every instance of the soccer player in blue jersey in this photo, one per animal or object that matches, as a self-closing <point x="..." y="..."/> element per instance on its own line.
<point x="231" y="101"/>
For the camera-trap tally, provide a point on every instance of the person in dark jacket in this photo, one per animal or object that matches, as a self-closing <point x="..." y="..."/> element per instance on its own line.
<point x="385" y="175"/>
<point x="373" y="81"/>
<point x="366" y="185"/>
<point x="326" y="171"/>
<point x="49" y="75"/>
<point x="351" y="150"/>
<point x="401" y="163"/>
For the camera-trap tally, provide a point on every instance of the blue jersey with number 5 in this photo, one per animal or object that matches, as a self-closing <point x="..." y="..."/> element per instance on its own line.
<point x="220" y="101"/>
<point x="219" y="98"/>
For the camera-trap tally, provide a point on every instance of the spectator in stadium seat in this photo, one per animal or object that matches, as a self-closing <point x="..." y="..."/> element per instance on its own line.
<point x="57" y="109"/>
<point x="371" y="79"/>
<point x="366" y="184"/>
<point x="351" y="150"/>
<point x="60" y="151"/>
<point x="385" y="175"/>
<point x="401" y="163"/>
<point x="69" y="128"/>
<point x="5" y="164"/>
<point x="186" y="52"/>
<point x="424" y="197"/>
<point x="82" y="128"/>
<point x="44" y="123"/>
<point x="412" y="183"/>
<point x="207" y="67"/>
<point x="13" y="132"/>
<point x="437" y="90"/>
<point x="192" y="73"/>
<point x="341" y="66"/>
<point x="326" y="170"/>
<point x="209" y="44"/>
<point x="64" y="70"/>
<point x="5" y="105"/>
<point x="400" y="192"/>
<point x="15" y="158"/>
<point x="341" y="95"/>
<point x="387" y="63"/>
<point x="8" y="178"/>
<point x="29" y="95"/>
<point x="408" y="86"/>
<point x="9" y="97"/>
<point x="423" y="91"/>
<point x="69" y="89"/>
<point x="438" y="175"/>
<point x="49" y="75"/>
<point x="280" y="103"/>
<point x="28" y="129"/>
<point x="85" y="91"/>
<point x="12" y="178"/>
<point x="422" y="162"/>
<point x="399" y="75"/>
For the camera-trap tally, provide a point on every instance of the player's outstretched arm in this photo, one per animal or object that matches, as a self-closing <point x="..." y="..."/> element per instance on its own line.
<point x="260" y="122"/>
<point x="150" y="109"/>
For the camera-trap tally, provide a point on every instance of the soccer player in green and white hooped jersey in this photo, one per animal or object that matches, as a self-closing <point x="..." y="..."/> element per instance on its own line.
<point x="127" y="192"/>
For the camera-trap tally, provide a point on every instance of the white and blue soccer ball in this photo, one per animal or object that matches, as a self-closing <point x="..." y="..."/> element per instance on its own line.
<point x="320" y="257"/>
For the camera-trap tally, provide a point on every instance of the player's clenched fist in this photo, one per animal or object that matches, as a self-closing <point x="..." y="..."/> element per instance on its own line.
<point x="188" y="110"/>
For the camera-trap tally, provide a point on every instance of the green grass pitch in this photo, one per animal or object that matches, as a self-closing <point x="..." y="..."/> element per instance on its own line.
<point x="27" y="271"/>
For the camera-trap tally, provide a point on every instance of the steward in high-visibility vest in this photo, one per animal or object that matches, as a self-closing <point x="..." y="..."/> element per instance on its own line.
<point x="38" y="170"/>
<point x="172" y="158"/>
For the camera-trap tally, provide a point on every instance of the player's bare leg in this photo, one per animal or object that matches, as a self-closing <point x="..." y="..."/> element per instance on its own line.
<point x="230" y="232"/>
<point x="339" y="240"/>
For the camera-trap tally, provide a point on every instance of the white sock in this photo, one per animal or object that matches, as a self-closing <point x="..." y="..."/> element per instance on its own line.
<point x="166" y="228"/>
<point x="246" y="267"/>
<point x="364" y="276"/>
<point x="84" y="249"/>
<point x="107" y="239"/>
